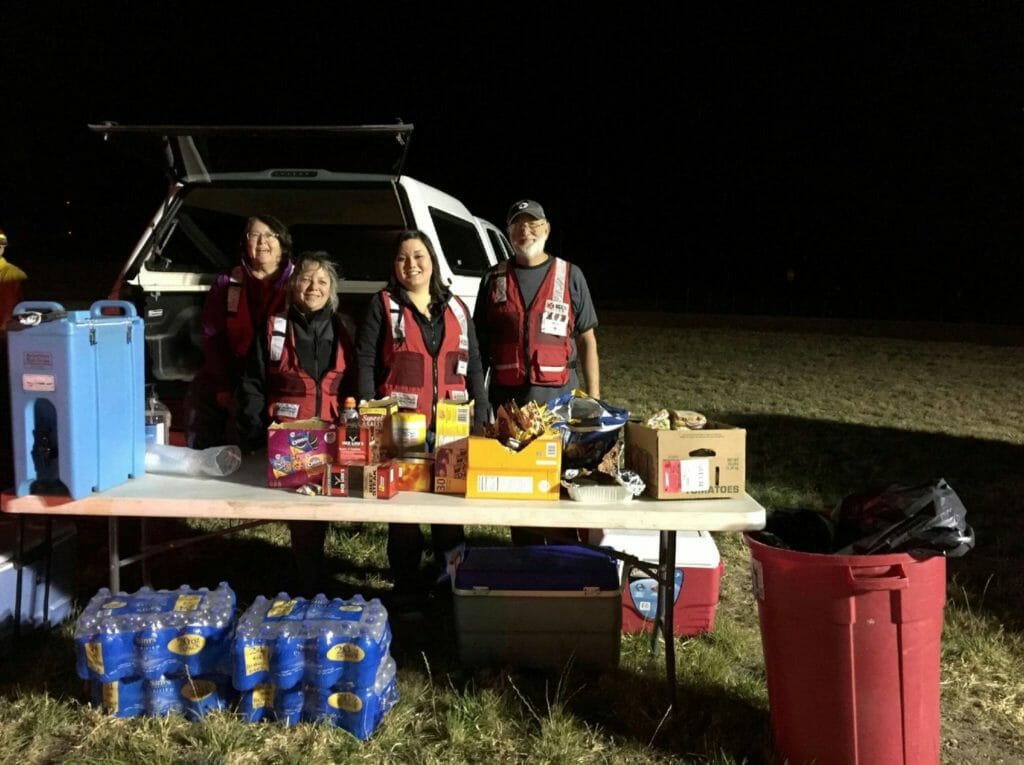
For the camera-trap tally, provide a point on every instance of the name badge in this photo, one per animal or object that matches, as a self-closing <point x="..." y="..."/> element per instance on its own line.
<point x="406" y="400"/>
<point x="291" y="411"/>
<point x="461" y="367"/>
<point x="556" y="318"/>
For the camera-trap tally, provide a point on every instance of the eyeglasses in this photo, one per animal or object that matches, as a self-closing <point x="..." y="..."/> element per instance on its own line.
<point x="255" y="236"/>
<point x="533" y="225"/>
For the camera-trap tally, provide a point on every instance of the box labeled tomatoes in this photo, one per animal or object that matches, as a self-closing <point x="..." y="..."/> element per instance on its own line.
<point x="709" y="463"/>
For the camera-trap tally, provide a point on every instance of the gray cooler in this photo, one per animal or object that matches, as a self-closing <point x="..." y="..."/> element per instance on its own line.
<point x="33" y="575"/>
<point x="540" y="606"/>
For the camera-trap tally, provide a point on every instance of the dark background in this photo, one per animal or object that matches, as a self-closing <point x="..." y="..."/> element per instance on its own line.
<point x="837" y="162"/>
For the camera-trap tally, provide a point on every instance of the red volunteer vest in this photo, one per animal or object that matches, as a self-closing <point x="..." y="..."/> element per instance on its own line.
<point x="240" y="321"/>
<point x="409" y="378"/>
<point x="530" y="345"/>
<point x="292" y="393"/>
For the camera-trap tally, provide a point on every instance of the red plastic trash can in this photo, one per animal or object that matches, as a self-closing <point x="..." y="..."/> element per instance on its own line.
<point x="852" y="648"/>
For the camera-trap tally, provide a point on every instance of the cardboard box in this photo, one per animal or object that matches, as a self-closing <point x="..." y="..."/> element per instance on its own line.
<point x="698" y="578"/>
<point x="497" y="472"/>
<point x="452" y="420"/>
<point x="689" y="464"/>
<point x="376" y="416"/>
<point x="542" y="606"/>
<point x="355" y="479"/>
<point x="359" y="443"/>
<point x="451" y="463"/>
<point x="298" y="452"/>
<point x="33" y="574"/>
<point x="414" y="473"/>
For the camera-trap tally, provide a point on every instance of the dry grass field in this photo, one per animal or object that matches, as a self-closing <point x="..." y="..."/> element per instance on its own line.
<point x="830" y="408"/>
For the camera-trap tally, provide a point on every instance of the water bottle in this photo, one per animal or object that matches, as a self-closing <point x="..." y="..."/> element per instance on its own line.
<point x="215" y="461"/>
<point x="158" y="418"/>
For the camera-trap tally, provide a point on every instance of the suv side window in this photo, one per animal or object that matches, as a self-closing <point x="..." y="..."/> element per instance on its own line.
<point x="460" y="243"/>
<point x="500" y="246"/>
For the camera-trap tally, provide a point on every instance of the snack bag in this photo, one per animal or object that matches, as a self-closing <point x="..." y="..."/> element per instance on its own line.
<point x="590" y="428"/>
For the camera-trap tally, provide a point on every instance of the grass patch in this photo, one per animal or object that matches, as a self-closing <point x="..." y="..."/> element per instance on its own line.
<point x="826" y="414"/>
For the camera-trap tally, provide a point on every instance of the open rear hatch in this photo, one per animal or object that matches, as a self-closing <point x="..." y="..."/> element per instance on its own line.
<point x="335" y="186"/>
<point x="197" y="153"/>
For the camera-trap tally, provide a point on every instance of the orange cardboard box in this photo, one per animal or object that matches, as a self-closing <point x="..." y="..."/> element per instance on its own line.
<point x="497" y="472"/>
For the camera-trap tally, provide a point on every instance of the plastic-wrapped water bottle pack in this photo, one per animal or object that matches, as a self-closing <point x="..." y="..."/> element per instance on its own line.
<point x="154" y="633"/>
<point x="285" y="659"/>
<point x="323" y="643"/>
<point x="193" y="697"/>
<point x="358" y="710"/>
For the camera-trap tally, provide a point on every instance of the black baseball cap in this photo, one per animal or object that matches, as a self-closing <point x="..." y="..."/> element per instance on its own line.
<point x="525" y="207"/>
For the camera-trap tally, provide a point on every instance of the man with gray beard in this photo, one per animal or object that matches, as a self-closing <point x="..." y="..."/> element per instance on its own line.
<point x="535" y="323"/>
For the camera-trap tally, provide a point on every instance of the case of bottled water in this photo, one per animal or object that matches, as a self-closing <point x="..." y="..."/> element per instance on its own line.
<point x="154" y="633"/>
<point x="357" y="710"/>
<point x="193" y="697"/>
<point x="322" y="642"/>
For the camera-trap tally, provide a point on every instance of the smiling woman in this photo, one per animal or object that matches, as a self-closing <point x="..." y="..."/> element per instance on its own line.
<point x="418" y="345"/>
<point x="237" y="304"/>
<point x="302" y="366"/>
<point x="315" y="283"/>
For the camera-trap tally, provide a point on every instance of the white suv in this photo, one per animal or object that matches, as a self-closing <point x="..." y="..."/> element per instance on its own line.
<point x="339" y="189"/>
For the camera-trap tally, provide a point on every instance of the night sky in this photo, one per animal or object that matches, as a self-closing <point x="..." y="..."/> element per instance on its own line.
<point x="864" y="162"/>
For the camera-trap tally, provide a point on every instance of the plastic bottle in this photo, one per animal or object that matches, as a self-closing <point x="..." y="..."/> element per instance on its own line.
<point x="215" y="461"/>
<point x="158" y="418"/>
<point x="350" y="420"/>
<point x="349" y="410"/>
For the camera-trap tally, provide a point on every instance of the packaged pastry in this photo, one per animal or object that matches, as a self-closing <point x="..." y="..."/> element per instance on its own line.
<point x="686" y="419"/>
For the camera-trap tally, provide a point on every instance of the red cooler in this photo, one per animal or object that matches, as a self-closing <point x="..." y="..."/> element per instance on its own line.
<point x="851" y="652"/>
<point x="698" y="575"/>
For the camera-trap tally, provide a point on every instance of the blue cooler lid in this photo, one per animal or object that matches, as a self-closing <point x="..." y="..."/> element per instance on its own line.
<point x="538" y="567"/>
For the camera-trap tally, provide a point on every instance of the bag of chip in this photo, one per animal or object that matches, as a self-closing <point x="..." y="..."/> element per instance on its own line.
<point x="589" y="427"/>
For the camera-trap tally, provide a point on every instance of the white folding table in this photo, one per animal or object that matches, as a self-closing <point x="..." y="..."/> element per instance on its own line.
<point x="245" y="498"/>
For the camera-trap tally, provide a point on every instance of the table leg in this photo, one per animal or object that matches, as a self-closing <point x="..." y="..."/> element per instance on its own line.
<point x="19" y="556"/>
<point x="666" y="606"/>
<point x="114" y="559"/>
<point x="143" y="548"/>
<point x="48" y="569"/>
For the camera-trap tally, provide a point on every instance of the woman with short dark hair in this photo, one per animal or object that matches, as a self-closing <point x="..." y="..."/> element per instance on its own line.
<point x="418" y="345"/>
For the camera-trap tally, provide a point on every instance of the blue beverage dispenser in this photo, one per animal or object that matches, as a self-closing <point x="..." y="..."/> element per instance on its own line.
<point x="77" y="397"/>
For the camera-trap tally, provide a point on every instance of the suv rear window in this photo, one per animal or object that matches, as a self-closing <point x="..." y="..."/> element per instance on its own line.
<point x="461" y="244"/>
<point x="356" y="225"/>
